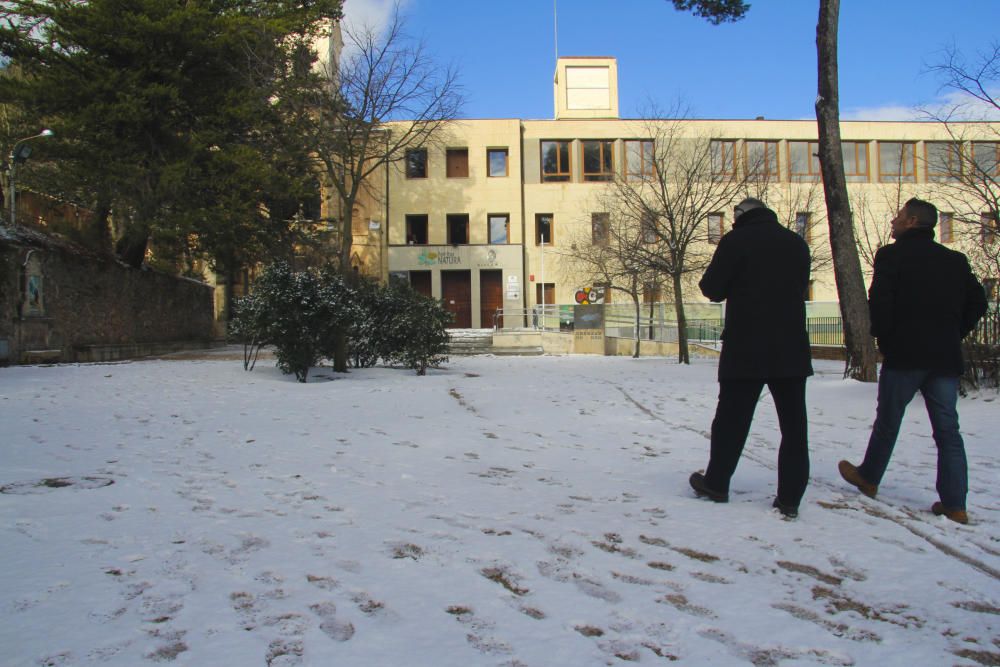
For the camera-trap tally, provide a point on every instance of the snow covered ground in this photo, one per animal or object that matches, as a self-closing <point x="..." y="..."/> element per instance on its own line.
<point x="500" y="511"/>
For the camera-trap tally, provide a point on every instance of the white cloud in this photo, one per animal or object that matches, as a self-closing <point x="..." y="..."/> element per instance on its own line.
<point x="954" y="104"/>
<point x="374" y="14"/>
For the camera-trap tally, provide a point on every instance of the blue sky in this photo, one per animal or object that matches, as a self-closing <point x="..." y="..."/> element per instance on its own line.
<point x="764" y="65"/>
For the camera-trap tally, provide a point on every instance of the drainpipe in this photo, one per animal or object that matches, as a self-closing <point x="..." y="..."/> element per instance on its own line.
<point x="524" y="230"/>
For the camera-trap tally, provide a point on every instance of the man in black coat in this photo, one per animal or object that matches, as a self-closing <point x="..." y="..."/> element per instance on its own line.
<point x="923" y="301"/>
<point x="761" y="270"/>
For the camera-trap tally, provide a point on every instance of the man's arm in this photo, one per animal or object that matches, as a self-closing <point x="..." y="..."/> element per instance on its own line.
<point x="975" y="302"/>
<point x="714" y="283"/>
<point x="881" y="293"/>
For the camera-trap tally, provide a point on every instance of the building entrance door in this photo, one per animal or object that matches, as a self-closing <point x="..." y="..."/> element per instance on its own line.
<point x="490" y="297"/>
<point x="456" y="290"/>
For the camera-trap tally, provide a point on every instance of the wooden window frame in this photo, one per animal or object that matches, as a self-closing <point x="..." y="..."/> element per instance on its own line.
<point x="538" y="229"/>
<point x="812" y="153"/>
<point x="907" y="164"/>
<point x="426" y="161"/>
<point x="606" y="158"/>
<point x="411" y="218"/>
<point x="448" y="219"/>
<point x="647" y="163"/>
<point x="953" y="160"/>
<point x="489" y="228"/>
<point x="506" y="162"/>
<point x="725" y="146"/>
<point x="946" y="227"/>
<point x="995" y="145"/>
<point x="600" y="221"/>
<point x="454" y="160"/>
<point x="806" y="230"/>
<point x="987" y="227"/>
<point x="771" y="148"/>
<point x="715" y="237"/>
<point x="558" y="176"/>
<point x="857" y="176"/>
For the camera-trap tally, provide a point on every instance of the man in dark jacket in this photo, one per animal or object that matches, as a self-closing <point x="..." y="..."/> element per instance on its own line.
<point x="761" y="270"/>
<point x="923" y="301"/>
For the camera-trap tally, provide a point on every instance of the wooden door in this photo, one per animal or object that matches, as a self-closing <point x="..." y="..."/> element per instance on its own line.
<point x="456" y="290"/>
<point x="420" y="281"/>
<point x="490" y="297"/>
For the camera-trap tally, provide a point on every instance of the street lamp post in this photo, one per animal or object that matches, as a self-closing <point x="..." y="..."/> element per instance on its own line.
<point x="19" y="153"/>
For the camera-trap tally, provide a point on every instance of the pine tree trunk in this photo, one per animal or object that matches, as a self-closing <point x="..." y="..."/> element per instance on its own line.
<point x="861" y="358"/>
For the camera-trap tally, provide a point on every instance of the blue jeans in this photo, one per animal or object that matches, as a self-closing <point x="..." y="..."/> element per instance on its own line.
<point x="896" y="389"/>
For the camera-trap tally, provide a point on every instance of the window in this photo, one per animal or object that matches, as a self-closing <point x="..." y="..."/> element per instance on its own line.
<point x="946" y="232"/>
<point x="555" y="161"/>
<point x="599" y="227"/>
<point x="416" y="230"/>
<point x="897" y="162"/>
<point x="803" y="161"/>
<point x="762" y="158"/>
<point x="648" y="227"/>
<point x="809" y="290"/>
<point x="723" y="158"/>
<point x="988" y="227"/>
<point x="639" y="165"/>
<point x="598" y="160"/>
<point x="458" y="229"/>
<point x="943" y="161"/>
<point x="715" y="222"/>
<point x="416" y="163"/>
<point x="457" y="163"/>
<point x="986" y="158"/>
<point x="496" y="162"/>
<point x="652" y="293"/>
<point x="543" y="229"/>
<point x="802" y="226"/>
<point x="855" y="161"/>
<point x="499" y="227"/>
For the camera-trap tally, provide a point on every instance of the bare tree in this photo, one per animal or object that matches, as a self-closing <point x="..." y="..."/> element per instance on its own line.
<point x="389" y="99"/>
<point x="965" y="170"/>
<point x="609" y="252"/>
<point x="673" y="188"/>
<point x="861" y="357"/>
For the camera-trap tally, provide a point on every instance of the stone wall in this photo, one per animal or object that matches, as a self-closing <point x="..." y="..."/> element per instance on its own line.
<point x="60" y="302"/>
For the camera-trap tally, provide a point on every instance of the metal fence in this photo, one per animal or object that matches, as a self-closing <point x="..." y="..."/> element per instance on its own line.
<point x="655" y="322"/>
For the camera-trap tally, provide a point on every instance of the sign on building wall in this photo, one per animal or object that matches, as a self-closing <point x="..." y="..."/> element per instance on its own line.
<point x="589" y="295"/>
<point x="513" y="288"/>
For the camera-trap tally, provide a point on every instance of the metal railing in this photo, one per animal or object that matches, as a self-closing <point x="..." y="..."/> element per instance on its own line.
<point x="655" y="323"/>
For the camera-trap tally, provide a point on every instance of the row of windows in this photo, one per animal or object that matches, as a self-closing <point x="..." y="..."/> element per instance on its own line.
<point x="895" y="161"/>
<point x="457" y="162"/>
<point x="498" y="228"/>
<point x="457" y="229"/>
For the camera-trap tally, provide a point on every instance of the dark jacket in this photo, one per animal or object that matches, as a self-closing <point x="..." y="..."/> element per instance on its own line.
<point x="761" y="270"/>
<point x="923" y="300"/>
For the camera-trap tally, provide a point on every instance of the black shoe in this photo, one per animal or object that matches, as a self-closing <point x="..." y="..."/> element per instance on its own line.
<point x="789" y="511"/>
<point x="697" y="481"/>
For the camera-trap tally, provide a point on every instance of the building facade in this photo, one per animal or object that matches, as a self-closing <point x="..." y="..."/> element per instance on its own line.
<point x="490" y="215"/>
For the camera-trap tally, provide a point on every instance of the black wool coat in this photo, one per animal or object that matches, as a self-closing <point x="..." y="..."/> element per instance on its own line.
<point x="761" y="270"/>
<point x="923" y="301"/>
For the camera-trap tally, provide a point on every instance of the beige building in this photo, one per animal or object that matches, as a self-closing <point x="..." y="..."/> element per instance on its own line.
<point x="487" y="217"/>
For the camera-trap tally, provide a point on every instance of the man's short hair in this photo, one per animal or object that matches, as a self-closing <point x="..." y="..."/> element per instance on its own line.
<point x="747" y="204"/>
<point x="924" y="211"/>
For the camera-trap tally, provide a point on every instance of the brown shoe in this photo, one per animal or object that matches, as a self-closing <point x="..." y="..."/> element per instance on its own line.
<point x="851" y="475"/>
<point x="958" y="516"/>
